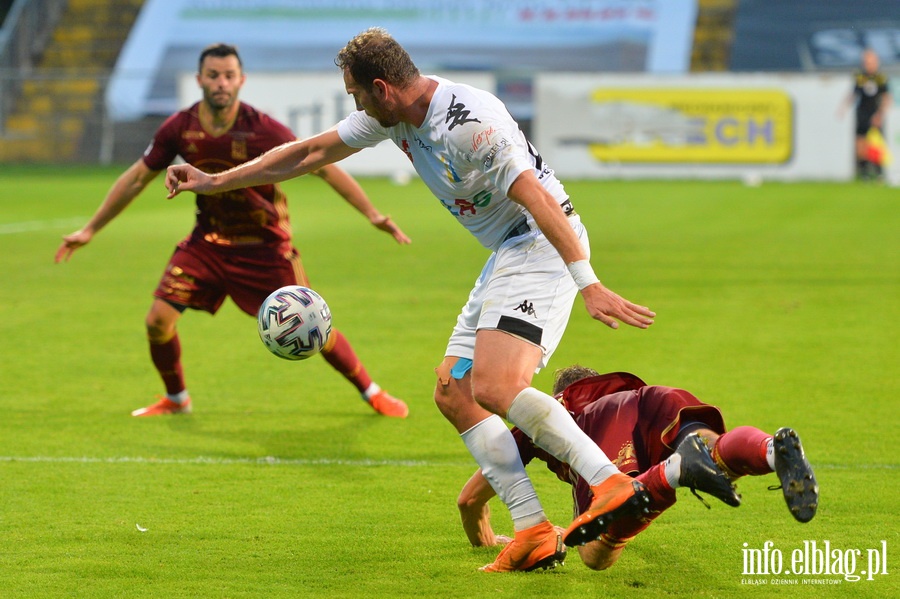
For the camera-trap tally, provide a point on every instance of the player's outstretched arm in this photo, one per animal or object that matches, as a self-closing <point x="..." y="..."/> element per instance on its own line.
<point x="475" y="513"/>
<point x="350" y="190"/>
<point x="602" y="304"/>
<point x="127" y="187"/>
<point x="287" y="161"/>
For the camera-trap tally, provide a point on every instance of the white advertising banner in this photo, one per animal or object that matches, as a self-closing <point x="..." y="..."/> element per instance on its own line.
<point x="892" y="135"/>
<point x="785" y="127"/>
<point x="513" y="36"/>
<point x="311" y="103"/>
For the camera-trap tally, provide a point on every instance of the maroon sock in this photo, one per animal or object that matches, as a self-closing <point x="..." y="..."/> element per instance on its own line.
<point x="339" y="353"/>
<point x="167" y="359"/>
<point x="662" y="496"/>
<point x="741" y="451"/>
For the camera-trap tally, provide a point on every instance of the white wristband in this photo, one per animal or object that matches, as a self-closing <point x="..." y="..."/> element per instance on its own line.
<point x="583" y="274"/>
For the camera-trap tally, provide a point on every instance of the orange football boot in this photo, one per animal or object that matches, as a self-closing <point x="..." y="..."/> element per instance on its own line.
<point x="537" y="547"/>
<point x="616" y="496"/>
<point x="386" y="405"/>
<point x="164" y="406"/>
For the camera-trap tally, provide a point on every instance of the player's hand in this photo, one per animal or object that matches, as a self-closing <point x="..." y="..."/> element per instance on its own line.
<point x="70" y="244"/>
<point x="608" y="307"/>
<point x="184" y="177"/>
<point x="388" y="226"/>
<point x="501" y="540"/>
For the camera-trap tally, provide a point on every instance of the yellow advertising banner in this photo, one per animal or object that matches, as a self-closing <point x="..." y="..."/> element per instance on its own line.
<point x="691" y="125"/>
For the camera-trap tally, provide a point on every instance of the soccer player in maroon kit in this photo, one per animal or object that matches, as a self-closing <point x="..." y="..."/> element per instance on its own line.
<point x="241" y="242"/>
<point x="662" y="436"/>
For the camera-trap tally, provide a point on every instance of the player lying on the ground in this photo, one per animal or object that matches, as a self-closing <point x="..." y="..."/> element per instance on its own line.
<point x="664" y="437"/>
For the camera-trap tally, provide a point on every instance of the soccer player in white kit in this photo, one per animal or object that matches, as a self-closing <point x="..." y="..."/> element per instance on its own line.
<point x="472" y="155"/>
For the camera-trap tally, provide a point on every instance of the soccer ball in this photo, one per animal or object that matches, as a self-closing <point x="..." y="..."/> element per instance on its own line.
<point x="294" y="322"/>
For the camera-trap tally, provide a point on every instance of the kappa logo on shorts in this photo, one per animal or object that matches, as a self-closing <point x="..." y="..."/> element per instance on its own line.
<point x="527" y="308"/>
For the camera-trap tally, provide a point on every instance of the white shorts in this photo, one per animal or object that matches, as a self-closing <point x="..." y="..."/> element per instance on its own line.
<point x="525" y="290"/>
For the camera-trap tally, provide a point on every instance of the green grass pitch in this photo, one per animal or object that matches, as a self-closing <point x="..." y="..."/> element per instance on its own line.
<point x="778" y="303"/>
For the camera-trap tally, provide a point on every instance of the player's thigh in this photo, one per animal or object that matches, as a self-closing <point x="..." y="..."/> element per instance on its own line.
<point x="504" y="365"/>
<point x="193" y="278"/>
<point x="252" y="276"/>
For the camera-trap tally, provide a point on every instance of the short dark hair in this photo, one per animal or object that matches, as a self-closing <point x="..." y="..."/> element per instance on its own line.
<point x="219" y="51"/>
<point x="564" y="377"/>
<point x="374" y="54"/>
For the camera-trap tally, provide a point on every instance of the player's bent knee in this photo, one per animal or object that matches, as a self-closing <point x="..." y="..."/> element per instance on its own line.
<point x="159" y="330"/>
<point x="493" y="397"/>
<point x="443" y="401"/>
<point x="447" y="389"/>
<point x="465" y="500"/>
<point x="601" y="554"/>
<point x="161" y="321"/>
<point x="600" y="562"/>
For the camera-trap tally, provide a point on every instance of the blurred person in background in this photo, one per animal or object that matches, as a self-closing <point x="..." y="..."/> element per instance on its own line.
<point x="871" y="98"/>
<point x="241" y="243"/>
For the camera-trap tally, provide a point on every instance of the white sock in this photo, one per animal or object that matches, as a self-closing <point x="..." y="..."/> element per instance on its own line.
<point x="770" y="453"/>
<point x="672" y="470"/>
<point x="178" y="398"/>
<point x="492" y="445"/>
<point x="371" y="390"/>
<point x="552" y="428"/>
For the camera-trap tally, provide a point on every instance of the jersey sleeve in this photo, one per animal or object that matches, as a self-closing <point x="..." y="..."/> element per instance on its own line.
<point x="496" y="148"/>
<point x="359" y="130"/>
<point x="164" y="147"/>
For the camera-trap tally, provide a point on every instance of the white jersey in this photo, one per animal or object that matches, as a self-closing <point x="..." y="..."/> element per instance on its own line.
<point x="468" y="151"/>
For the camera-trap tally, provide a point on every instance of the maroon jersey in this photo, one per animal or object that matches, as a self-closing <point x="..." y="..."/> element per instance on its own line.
<point x="254" y="215"/>
<point x="633" y="423"/>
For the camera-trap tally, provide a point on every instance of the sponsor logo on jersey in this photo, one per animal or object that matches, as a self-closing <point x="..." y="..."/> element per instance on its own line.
<point x="482" y="137"/>
<point x="452" y="176"/>
<point x="404" y="145"/>
<point x="423" y="145"/>
<point x="463" y="207"/>
<point x="495" y="149"/>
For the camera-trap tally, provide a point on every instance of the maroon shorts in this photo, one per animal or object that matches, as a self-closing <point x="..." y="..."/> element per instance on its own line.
<point x="200" y="275"/>
<point x="637" y="429"/>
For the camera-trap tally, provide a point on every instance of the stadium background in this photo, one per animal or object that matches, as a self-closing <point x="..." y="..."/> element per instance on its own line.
<point x="87" y="80"/>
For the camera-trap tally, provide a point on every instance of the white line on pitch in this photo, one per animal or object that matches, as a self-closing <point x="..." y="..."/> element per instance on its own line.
<point x="274" y="461"/>
<point x="41" y="225"/>
<point x="265" y="461"/>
